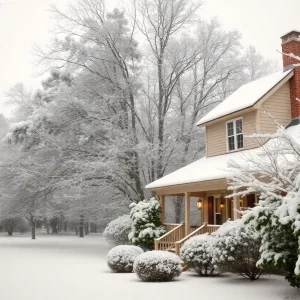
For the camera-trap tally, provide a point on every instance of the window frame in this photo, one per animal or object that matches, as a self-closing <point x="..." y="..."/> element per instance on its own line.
<point x="234" y="134"/>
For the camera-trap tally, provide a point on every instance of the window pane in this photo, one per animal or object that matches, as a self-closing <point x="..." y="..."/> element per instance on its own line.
<point x="240" y="141"/>
<point x="230" y="128"/>
<point x="231" y="143"/>
<point x="239" y="126"/>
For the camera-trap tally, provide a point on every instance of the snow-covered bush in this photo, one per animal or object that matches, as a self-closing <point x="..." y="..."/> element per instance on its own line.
<point x="121" y="258"/>
<point x="146" y="223"/>
<point x="197" y="254"/>
<point x="157" y="266"/>
<point x="116" y="232"/>
<point x="236" y="249"/>
<point x="273" y="172"/>
<point x="15" y="224"/>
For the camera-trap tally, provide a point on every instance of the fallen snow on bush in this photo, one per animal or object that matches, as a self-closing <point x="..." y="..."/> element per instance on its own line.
<point x="236" y="249"/>
<point x="157" y="266"/>
<point x="146" y="223"/>
<point x="116" y="232"/>
<point x="121" y="258"/>
<point x="197" y="252"/>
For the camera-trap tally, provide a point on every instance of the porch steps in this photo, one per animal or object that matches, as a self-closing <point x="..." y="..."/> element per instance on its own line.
<point x="172" y="250"/>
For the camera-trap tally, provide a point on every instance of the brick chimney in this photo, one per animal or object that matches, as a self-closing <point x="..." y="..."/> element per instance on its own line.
<point x="291" y="44"/>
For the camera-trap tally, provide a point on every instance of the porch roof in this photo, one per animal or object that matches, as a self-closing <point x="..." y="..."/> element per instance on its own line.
<point x="204" y="169"/>
<point x="209" y="168"/>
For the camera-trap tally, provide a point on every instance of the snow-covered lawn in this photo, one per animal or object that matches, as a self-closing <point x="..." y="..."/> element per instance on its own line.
<point x="69" y="268"/>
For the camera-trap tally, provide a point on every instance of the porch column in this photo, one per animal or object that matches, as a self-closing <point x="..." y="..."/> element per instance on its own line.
<point x="163" y="208"/>
<point x="236" y="207"/>
<point x="187" y="213"/>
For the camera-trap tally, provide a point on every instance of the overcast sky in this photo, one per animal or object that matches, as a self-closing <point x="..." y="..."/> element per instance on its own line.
<point x="25" y="22"/>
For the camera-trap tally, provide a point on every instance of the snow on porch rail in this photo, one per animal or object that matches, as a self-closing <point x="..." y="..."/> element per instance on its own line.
<point x="167" y="241"/>
<point x="205" y="228"/>
<point x="200" y="230"/>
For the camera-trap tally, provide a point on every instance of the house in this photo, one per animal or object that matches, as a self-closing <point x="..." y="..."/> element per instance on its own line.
<point x="242" y="113"/>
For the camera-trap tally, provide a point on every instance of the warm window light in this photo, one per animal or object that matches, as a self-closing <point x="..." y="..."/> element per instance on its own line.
<point x="199" y="204"/>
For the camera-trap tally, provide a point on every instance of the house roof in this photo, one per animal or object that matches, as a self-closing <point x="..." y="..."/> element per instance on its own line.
<point x="209" y="168"/>
<point x="246" y="96"/>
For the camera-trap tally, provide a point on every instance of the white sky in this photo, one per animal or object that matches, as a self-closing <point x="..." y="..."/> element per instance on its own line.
<point x="25" y="22"/>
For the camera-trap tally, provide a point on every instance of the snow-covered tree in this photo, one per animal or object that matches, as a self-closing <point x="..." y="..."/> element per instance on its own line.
<point x="272" y="171"/>
<point x="146" y="223"/>
<point x="114" y="115"/>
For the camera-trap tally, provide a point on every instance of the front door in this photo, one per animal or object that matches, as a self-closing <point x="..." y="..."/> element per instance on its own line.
<point x="211" y="210"/>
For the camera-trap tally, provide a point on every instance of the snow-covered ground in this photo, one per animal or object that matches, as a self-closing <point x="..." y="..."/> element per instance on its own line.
<point x="69" y="268"/>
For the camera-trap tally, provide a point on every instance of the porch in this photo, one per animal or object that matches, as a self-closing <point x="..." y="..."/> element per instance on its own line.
<point x="215" y="208"/>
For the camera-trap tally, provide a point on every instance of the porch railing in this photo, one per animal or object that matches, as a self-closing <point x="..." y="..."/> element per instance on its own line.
<point x="167" y="241"/>
<point x="212" y="228"/>
<point x="201" y="230"/>
<point x="170" y="226"/>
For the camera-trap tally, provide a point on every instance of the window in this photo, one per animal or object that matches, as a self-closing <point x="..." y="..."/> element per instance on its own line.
<point x="235" y="138"/>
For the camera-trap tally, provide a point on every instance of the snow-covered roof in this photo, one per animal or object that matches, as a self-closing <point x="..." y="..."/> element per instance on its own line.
<point x="246" y="96"/>
<point x="208" y="168"/>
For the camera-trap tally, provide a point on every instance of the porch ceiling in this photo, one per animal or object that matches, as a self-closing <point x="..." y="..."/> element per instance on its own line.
<point x="196" y="188"/>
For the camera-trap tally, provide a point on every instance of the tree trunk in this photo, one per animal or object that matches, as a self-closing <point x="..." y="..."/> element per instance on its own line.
<point x="76" y="229"/>
<point x="95" y="228"/>
<point x="86" y="228"/>
<point x="161" y="113"/>
<point x="81" y="227"/>
<point x="65" y="226"/>
<point x="54" y="225"/>
<point x="10" y="226"/>
<point x="32" y="227"/>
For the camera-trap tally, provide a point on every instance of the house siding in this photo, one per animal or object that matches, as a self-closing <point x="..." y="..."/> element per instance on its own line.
<point x="216" y="135"/>
<point x="279" y="107"/>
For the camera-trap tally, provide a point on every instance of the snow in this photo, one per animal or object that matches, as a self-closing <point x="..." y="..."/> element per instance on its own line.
<point x="144" y="222"/>
<point x="210" y="168"/>
<point x="116" y="231"/>
<point x="121" y="258"/>
<point x="70" y="268"/>
<point x="157" y="266"/>
<point x="197" y="252"/>
<point x="246" y="96"/>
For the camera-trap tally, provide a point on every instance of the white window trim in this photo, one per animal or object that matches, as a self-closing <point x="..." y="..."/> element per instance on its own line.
<point x="234" y="134"/>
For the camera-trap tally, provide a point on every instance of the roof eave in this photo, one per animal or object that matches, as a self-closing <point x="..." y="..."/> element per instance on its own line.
<point x="254" y="106"/>
<point x="227" y="116"/>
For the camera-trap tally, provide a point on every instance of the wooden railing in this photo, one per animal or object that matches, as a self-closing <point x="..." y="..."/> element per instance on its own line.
<point x="212" y="228"/>
<point x="167" y="241"/>
<point x="175" y="237"/>
<point x="198" y="231"/>
<point x="170" y="226"/>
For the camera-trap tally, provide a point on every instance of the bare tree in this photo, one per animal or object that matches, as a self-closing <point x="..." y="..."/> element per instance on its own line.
<point x="161" y="20"/>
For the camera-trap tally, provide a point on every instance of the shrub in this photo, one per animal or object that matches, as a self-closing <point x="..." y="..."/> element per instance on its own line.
<point x="116" y="232"/>
<point x="157" y="266"/>
<point x="121" y="258"/>
<point x="197" y="254"/>
<point x="22" y="225"/>
<point x="236" y="249"/>
<point x="15" y="224"/>
<point x="146" y="223"/>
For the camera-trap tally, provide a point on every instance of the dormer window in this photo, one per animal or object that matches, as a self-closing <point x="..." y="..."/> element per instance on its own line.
<point x="235" y="138"/>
